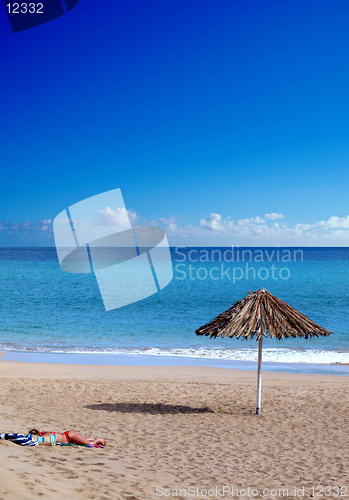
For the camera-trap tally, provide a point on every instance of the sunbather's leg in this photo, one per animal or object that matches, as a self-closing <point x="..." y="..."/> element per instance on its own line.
<point x="76" y="438"/>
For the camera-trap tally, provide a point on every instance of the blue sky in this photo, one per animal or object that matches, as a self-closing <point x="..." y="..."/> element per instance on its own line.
<point x="205" y="114"/>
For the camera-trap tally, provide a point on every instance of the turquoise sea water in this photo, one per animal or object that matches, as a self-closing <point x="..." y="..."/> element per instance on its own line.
<point x="46" y="310"/>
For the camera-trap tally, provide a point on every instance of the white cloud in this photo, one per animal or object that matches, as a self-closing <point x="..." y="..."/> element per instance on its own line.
<point x="169" y="223"/>
<point x="256" y="229"/>
<point x="213" y="222"/>
<point x="46" y="225"/>
<point x="335" y="223"/>
<point x="27" y="227"/>
<point x="213" y="229"/>
<point x="303" y="227"/>
<point x="250" y="221"/>
<point x="273" y="216"/>
<point x="64" y="221"/>
<point x="118" y="219"/>
<point x="215" y="225"/>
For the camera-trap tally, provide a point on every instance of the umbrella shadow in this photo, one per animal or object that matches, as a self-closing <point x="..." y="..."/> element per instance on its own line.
<point x="153" y="408"/>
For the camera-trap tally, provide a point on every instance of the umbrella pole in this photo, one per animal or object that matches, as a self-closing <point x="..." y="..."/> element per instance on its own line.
<point x="259" y="375"/>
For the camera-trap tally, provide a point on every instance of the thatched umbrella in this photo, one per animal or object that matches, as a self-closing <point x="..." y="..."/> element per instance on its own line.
<point x="258" y="314"/>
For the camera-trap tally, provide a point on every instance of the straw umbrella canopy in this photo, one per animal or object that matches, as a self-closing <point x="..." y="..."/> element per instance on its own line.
<point x="259" y="315"/>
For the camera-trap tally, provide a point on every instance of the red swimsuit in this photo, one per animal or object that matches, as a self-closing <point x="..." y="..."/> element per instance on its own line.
<point x="67" y="437"/>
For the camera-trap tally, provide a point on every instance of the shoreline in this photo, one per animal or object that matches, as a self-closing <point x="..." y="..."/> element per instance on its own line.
<point x="10" y="369"/>
<point x="144" y="361"/>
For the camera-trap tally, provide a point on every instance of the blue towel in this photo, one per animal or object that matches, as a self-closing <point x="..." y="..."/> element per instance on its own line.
<point x="20" y="439"/>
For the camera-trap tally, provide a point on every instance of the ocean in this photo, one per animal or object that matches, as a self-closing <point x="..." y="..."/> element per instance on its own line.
<point x="46" y="310"/>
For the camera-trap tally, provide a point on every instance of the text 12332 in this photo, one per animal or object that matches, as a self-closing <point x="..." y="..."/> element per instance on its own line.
<point x="25" y="8"/>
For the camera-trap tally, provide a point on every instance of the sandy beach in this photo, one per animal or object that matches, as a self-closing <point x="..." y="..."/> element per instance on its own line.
<point x="174" y="432"/>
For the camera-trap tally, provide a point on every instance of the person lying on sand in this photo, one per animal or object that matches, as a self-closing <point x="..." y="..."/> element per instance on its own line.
<point x="69" y="437"/>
